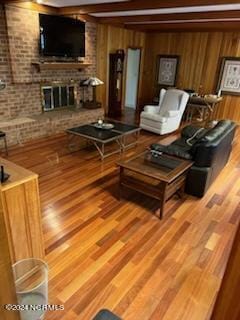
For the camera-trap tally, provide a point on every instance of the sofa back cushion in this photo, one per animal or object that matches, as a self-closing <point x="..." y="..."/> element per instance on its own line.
<point x="217" y="132"/>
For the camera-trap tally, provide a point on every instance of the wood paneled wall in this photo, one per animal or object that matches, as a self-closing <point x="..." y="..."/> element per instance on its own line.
<point x="110" y="39"/>
<point x="200" y="55"/>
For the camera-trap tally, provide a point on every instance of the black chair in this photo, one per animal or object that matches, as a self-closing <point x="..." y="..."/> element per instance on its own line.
<point x="3" y="136"/>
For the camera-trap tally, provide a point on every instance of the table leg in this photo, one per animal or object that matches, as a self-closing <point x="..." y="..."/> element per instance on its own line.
<point x="103" y="150"/>
<point x="138" y="135"/>
<point x="163" y="200"/>
<point x="120" y="183"/>
<point x="189" y="114"/>
<point x="123" y="143"/>
<point x="71" y="144"/>
<point x="100" y="150"/>
<point x="135" y="136"/>
<point x="180" y="191"/>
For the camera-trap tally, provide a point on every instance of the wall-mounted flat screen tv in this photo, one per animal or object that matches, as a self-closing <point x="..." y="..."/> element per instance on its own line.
<point x="61" y="36"/>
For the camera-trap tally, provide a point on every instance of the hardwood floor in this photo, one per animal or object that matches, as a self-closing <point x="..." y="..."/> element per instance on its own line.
<point x="104" y="253"/>
<point x="129" y="115"/>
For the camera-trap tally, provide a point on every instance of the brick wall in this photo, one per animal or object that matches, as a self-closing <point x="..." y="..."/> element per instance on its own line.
<point x="21" y="130"/>
<point x="19" y="33"/>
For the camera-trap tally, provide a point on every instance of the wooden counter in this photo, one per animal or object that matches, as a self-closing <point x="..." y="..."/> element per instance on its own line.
<point x="7" y="287"/>
<point x="21" y="210"/>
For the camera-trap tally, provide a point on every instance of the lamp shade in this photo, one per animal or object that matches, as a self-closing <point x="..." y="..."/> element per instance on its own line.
<point x="93" y="82"/>
<point x="2" y="85"/>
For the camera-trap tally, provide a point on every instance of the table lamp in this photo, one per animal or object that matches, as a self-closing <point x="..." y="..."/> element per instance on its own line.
<point x="93" y="82"/>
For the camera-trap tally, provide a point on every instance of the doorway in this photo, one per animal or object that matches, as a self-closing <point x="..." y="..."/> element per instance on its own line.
<point x="132" y="77"/>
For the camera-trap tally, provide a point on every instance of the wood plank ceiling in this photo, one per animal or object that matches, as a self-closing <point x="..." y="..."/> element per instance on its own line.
<point x="154" y="15"/>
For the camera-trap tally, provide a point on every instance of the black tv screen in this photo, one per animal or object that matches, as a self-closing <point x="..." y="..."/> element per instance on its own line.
<point x="61" y="36"/>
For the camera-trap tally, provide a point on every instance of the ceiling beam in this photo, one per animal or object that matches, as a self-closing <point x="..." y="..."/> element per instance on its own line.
<point x="172" y="16"/>
<point x="125" y="21"/>
<point x="12" y="1"/>
<point x="46" y="9"/>
<point x="186" y="27"/>
<point x="140" y="5"/>
<point x="84" y="17"/>
<point x="33" y="6"/>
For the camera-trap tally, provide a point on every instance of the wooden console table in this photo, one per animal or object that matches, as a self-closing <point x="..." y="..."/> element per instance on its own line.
<point x="21" y="211"/>
<point x="203" y="106"/>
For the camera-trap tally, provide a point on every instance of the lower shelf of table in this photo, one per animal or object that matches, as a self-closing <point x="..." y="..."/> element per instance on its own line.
<point x="157" y="191"/>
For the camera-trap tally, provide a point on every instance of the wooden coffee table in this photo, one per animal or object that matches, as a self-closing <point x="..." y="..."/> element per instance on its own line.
<point x="158" y="178"/>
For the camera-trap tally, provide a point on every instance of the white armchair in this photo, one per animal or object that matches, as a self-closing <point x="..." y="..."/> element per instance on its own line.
<point x="165" y="117"/>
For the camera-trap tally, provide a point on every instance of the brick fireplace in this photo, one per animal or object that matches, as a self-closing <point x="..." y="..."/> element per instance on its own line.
<point x="59" y="96"/>
<point x="21" y="111"/>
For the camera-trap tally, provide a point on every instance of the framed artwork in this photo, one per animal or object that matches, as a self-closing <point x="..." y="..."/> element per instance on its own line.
<point x="167" y="66"/>
<point x="229" y="77"/>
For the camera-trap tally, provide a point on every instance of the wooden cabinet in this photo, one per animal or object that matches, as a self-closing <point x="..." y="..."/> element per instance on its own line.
<point x="21" y="212"/>
<point x="7" y="287"/>
<point x="227" y="302"/>
<point x="115" y="83"/>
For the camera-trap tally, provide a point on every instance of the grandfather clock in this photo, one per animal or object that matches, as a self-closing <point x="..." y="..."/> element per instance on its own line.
<point x="115" y="83"/>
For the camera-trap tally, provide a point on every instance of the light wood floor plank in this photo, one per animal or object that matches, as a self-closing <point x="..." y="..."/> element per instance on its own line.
<point x="106" y="253"/>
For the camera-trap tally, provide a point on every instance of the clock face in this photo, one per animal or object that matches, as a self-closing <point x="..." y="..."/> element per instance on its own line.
<point x="119" y="65"/>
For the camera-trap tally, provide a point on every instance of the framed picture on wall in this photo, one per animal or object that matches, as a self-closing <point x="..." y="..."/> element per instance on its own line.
<point x="229" y="77"/>
<point x="167" y="66"/>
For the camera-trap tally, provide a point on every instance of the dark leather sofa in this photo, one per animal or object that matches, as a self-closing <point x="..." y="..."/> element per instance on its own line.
<point x="208" y="148"/>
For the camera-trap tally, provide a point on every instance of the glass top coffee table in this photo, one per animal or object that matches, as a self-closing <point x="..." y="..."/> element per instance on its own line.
<point x="99" y="137"/>
<point x="158" y="177"/>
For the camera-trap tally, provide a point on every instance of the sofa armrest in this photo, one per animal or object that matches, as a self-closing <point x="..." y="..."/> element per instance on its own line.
<point x="151" y="109"/>
<point x="171" y="113"/>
